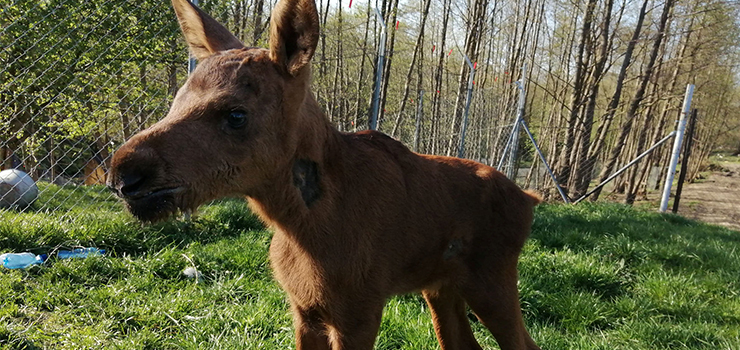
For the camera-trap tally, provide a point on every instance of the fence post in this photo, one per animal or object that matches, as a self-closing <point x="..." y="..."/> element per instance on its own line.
<point x="685" y="161"/>
<point x="511" y="172"/>
<point x="378" y="72"/>
<point x="471" y="79"/>
<point x="419" y="111"/>
<point x="676" y="148"/>
<point x="191" y="58"/>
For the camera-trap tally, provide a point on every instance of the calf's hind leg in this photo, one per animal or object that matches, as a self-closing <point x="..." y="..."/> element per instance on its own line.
<point x="492" y="294"/>
<point x="450" y="319"/>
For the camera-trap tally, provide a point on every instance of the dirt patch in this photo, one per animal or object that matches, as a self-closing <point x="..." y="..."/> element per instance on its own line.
<point x="716" y="199"/>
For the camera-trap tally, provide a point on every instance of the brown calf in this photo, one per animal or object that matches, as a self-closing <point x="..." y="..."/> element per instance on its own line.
<point x="357" y="217"/>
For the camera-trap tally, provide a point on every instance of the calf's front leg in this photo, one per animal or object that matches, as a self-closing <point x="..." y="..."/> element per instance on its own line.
<point x="310" y="330"/>
<point x="354" y="324"/>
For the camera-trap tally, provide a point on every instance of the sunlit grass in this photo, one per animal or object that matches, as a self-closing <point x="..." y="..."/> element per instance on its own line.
<point x="593" y="276"/>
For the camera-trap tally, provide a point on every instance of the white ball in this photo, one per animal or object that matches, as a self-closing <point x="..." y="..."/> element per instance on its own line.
<point x="17" y="189"/>
<point x="192" y="272"/>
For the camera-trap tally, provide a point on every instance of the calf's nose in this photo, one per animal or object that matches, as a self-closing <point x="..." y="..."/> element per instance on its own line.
<point x="131" y="184"/>
<point x="132" y="172"/>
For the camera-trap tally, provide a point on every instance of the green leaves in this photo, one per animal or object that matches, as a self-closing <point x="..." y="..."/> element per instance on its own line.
<point x="76" y="70"/>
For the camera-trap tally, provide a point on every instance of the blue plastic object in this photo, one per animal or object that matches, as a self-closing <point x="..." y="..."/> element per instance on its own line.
<point x="79" y="253"/>
<point x="21" y="260"/>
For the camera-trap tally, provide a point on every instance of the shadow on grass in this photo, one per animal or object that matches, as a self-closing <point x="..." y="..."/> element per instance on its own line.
<point x="623" y="233"/>
<point x="99" y="220"/>
<point x="596" y="266"/>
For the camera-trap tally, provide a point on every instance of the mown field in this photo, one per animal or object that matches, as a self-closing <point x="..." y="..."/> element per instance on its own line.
<point x="593" y="276"/>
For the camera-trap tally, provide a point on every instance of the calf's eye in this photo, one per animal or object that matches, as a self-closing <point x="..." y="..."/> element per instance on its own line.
<point x="236" y="119"/>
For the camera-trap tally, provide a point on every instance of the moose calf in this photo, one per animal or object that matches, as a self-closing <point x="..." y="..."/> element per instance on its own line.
<point x="357" y="217"/>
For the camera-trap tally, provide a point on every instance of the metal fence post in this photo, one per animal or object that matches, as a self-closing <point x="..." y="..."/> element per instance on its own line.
<point x="511" y="172"/>
<point x="676" y="148"/>
<point x="471" y="79"/>
<point x="419" y="112"/>
<point x="378" y="73"/>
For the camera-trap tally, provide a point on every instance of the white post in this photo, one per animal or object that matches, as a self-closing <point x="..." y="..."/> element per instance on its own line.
<point x="514" y="150"/>
<point x="676" y="147"/>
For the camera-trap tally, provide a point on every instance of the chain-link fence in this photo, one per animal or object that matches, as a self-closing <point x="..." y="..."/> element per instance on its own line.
<point x="79" y="78"/>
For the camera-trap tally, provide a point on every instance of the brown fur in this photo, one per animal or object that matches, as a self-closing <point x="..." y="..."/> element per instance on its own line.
<point x="357" y="217"/>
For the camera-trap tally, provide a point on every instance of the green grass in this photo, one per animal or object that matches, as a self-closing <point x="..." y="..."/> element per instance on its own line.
<point x="726" y="157"/>
<point x="593" y="276"/>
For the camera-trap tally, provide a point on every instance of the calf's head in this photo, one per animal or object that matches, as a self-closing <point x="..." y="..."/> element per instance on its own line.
<point x="232" y="125"/>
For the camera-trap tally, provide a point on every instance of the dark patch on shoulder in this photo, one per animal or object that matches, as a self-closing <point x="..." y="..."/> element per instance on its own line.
<point x="306" y="179"/>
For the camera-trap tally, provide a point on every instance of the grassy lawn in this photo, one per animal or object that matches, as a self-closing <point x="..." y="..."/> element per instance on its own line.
<point x="600" y="276"/>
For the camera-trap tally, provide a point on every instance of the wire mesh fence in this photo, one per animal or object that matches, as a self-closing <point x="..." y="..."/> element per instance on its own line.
<point x="78" y="78"/>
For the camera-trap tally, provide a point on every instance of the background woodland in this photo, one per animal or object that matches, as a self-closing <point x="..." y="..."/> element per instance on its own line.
<point x="604" y="78"/>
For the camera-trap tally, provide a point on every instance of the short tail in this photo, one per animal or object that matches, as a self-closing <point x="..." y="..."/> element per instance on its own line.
<point x="534" y="197"/>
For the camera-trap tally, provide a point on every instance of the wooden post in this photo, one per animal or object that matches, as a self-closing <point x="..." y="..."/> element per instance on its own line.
<point x="685" y="161"/>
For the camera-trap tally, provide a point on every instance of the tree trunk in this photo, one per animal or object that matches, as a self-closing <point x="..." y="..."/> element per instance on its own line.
<point x="472" y="41"/>
<point x="258" y="25"/>
<point x="172" y="74"/>
<point x="437" y="89"/>
<point x="640" y="94"/>
<point x="603" y="129"/>
<point x="576" y="96"/>
<point x="583" y="168"/>
<point x="670" y="102"/>
<point x="390" y="43"/>
<point x="361" y="75"/>
<point x="417" y="52"/>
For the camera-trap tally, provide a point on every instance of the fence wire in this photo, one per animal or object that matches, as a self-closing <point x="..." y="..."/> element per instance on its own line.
<point x="78" y="78"/>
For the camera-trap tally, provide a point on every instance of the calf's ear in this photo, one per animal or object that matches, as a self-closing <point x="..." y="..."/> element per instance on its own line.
<point x="204" y="35"/>
<point x="294" y="33"/>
